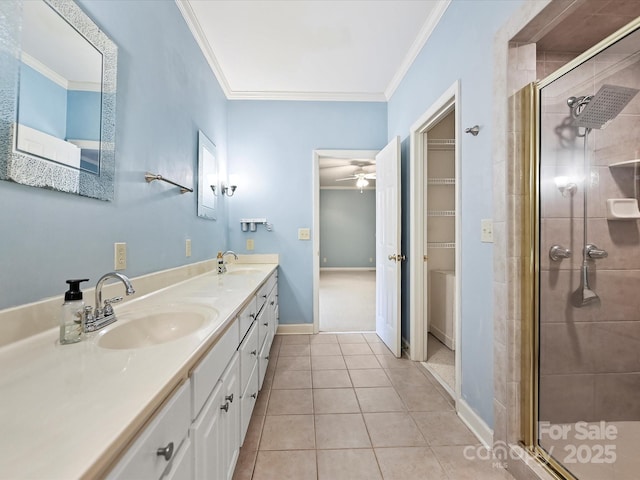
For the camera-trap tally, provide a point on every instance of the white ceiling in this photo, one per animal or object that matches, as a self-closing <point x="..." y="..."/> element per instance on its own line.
<point x="311" y="49"/>
<point x="332" y="169"/>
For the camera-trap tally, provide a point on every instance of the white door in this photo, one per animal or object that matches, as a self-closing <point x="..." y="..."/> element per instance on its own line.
<point x="388" y="255"/>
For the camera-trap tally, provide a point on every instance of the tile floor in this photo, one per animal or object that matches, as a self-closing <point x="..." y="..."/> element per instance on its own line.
<point x="340" y="406"/>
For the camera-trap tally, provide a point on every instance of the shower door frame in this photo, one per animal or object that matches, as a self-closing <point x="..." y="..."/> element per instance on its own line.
<point x="528" y="101"/>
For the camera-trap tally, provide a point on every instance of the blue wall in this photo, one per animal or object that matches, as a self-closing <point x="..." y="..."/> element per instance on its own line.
<point x="166" y="92"/>
<point x="271" y="146"/>
<point x="82" y="108"/>
<point x="348" y="228"/>
<point x="461" y="49"/>
<point x="43" y="103"/>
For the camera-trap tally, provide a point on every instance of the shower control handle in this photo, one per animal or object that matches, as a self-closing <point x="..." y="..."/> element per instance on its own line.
<point x="594" y="252"/>
<point x="557" y="253"/>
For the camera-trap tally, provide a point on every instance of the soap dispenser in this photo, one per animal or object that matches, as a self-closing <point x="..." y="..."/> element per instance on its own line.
<point x="220" y="259"/>
<point x="71" y="325"/>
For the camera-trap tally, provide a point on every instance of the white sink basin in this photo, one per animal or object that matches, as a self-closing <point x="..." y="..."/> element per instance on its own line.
<point x="243" y="271"/>
<point x="156" y="327"/>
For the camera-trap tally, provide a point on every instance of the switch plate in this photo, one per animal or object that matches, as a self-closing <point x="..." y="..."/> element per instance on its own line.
<point x="187" y="247"/>
<point x="119" y="256"/>
<point x="486" y="230"/>
<point x="304" y="234"/>
<point x="250" y="245"/>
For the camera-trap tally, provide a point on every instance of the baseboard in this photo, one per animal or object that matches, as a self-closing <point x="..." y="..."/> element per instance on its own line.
<point x="479" y="428"/>
<point x="295" y="328"/>
<point x="347" y="269"/>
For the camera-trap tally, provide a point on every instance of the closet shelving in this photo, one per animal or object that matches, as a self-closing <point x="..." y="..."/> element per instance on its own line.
<point x="441" y="143"/>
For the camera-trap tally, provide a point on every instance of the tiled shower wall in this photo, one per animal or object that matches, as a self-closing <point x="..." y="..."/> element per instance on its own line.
<point x="590" y="355"/>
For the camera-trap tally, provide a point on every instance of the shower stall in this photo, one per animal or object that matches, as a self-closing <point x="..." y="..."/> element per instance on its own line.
<point x="582" y="228"/>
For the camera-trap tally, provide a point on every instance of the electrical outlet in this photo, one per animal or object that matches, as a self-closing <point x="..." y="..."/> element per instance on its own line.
<point x="250" y="245"/>
<point x="119" y="256"/>
<point x="486" y="230"/>
<point x="304" y="234"/>
<point x="324" y="259"/>
<point x="187" y="247"/>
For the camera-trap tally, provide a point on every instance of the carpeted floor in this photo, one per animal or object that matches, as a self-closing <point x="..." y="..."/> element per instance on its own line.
<point x="347" y="300"/>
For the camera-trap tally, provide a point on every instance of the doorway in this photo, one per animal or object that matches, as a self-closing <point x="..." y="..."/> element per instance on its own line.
<point x="344" y="241"/>
<point x="435" y="241"/>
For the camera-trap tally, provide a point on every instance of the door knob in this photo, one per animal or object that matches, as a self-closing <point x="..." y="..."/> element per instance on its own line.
<point x="393" y="257"/>
<point x="397" y="258"/>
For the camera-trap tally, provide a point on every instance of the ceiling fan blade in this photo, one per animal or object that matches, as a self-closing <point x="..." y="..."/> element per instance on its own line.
<point x="348" y="178"/>
<point x="370" y="176"/>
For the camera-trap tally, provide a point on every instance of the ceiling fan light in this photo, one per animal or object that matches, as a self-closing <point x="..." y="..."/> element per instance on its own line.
<point x="361" y="182"/>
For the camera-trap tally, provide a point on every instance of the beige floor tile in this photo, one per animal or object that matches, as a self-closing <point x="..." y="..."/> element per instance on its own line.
<point x="355" y="349"/>
<point x="254" y="432"/>
<point x="293" y="363"/>
<point x="294" y="350"/>
<point x="372" y="377"/>
<point x="461" y="463"/>
<point x="423" y="399"/>
<point x="443" y="428"/>
<point x="379" y="399"/>
<point x="329" y="362"/>
<point x="409" y="463"/>
<point x="323" y="349"/>
<point x="335" y="400"/>
<point x="344" y="430"/>
<point x="260" y="407"/>
<point x="347" y="465"/>
<point x="287" y="465"/>
<point x="361" y="361"/>
<point x="389" y="361"/>
<point x="372" y="337"/>
<point x="330" y="378"/>
<point x="351" y="338"/>
<point x="393" y="430"/>
<point x="295" y="339"/>
<point x="324" y="338"/>
<point x="291" y="402"/>
<point x="406" y="377"/>
<point x="245" y="464"/>
<point x="288" y="432"/>
<point x="380" y="349"/>
<point x="289" y="379"/>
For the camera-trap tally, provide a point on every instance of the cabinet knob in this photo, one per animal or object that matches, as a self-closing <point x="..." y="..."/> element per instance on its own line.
<point x="273" y="302"/>
<point x="266" y="324"/>
<point x="165" y="452"/>
<point x="266" y="357"/>
<point x="264" y="296"/>
<point x="254" y="395"/>
<point x="253" y="352"/>
<point x="229" y="398"/>
<point x="225" y="407"/>
<point x="252" y="315"/>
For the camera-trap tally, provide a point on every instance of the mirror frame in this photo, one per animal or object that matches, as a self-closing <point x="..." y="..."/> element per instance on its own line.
<point x="37" y="172"/>
<point x="204" y="188"/>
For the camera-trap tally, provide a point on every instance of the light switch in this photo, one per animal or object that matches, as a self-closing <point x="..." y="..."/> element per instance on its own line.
<point x="304" y="234"/>
<point x="250" y="245"/>
<point x="486" y="230"/>
<point x="187" y="247"/>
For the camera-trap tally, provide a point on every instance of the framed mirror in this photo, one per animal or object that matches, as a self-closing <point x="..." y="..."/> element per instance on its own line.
<point x="61" y="131"/>
<point x="208" y="179"/>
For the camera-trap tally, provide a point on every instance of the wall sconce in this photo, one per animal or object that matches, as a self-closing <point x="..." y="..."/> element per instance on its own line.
<point x="227" y="190"/>
<point x="565" y="185"/>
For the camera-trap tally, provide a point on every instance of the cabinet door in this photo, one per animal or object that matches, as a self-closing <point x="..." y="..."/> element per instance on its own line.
<point x="206" y="433"/>
<point x="182" y="464"/>
<point x="248" y="355"/>
<point x="247" y="402"/>
<point x="231" y="416"/>
<point x="263" y="359"/>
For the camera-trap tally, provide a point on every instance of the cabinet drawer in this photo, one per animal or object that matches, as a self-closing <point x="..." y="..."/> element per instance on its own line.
<point x="205" y="376"/>
<point x="248" y="356"/>
<point x="263" y="359"/>
<point x="247" y="316"/>
<point x="247" y="402"/>
<point x="264" y="325"/>
<point x="167" y="430"/>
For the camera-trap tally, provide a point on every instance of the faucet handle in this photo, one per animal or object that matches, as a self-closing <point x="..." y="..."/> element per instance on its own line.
<point x="108" y="309"/>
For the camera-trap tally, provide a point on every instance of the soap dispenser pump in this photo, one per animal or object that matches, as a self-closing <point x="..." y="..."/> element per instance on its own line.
<point x="71" y="324"/>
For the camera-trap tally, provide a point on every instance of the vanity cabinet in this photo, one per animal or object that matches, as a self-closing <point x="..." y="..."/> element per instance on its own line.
<point x="163" y="449"/>
<point x="205" y="422"/>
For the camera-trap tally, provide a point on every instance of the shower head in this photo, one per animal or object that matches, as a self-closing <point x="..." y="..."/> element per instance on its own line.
<point x="598" y="110"/>
<point x="584" y="295"/>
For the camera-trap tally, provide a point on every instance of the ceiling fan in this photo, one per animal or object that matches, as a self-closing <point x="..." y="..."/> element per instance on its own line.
<point x="361" y="177"/>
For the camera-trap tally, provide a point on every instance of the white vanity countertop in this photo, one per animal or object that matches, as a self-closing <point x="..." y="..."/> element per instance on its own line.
<point x="67" y="411"/>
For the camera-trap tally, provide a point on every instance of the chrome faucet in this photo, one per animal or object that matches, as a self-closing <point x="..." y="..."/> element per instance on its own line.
<point x="102" y="316"/>
<point x="223" y="268"/>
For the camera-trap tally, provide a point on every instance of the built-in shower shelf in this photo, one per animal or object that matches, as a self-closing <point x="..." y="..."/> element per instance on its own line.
<point x="441" y="245"/>
<point x="628" y="163"/>
<point x="622" y="209"/>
